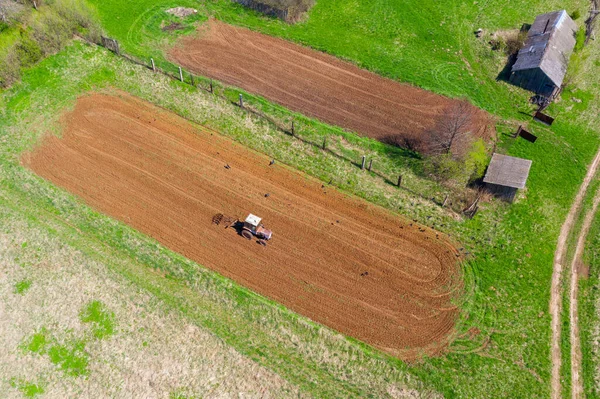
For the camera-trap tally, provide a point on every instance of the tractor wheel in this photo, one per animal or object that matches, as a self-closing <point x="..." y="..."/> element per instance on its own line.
<point x="246" y="234"/>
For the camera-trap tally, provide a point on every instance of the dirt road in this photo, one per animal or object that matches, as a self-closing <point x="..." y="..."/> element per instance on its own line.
<point x="336" y="259"/>
<point x="316" y="84"/>
<point x="576" y="360"/>
<point x="556" y="289"/>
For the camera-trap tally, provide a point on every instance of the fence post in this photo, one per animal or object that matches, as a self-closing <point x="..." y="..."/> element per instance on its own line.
<point x="153" y="65"/>
<point x="445" y="200"/>
<point x="324" y="143"/>
<point x="192" y="79"/>
<point x="370" y="165"/>
<point x="293" y="129"/>
<point x="211" y="87"/>
<point x="180" y="74"/>
<point x="399" y="180"/>
<point x="364" y="159"/>
<point x="241" y="101"/>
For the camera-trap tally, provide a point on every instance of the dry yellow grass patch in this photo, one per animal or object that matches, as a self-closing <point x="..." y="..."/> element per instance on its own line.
<point x="152" y="354"/>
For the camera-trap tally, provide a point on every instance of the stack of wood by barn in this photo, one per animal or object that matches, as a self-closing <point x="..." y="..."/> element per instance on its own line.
<point x="542" y="62"/>
<point x="287" y="10"/>
<point x="505" y="175"/>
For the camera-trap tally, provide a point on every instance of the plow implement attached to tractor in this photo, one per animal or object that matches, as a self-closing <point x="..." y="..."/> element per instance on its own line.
<point x="251" y="227"/>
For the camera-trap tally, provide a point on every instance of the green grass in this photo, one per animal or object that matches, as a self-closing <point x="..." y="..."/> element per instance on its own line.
<point x="22" y="286"/>
<point x="102" y="319"/>
<point x="511" y="247"/>
<point x="27" y="388"/>
<point x="37" y="343"/>
<point x="70" y="356"/>
<point x="426" y="43"/>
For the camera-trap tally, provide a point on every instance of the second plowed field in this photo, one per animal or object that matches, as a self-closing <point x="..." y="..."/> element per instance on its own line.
<point x="338" y="260"/>
<point x="320" y="85"/>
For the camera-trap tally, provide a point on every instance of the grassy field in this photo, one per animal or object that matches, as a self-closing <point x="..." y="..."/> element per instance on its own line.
<point x="502" y="345"/>
<point x="428" y="44"/>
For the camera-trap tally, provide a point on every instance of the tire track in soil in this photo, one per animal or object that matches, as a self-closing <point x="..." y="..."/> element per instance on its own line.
<point x="576" y="356"/>
<point x="556" y="289"/>
<point x="164" y="177"/>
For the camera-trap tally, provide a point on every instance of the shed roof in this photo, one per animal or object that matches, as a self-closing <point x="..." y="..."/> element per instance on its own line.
<point x="507" y="171"/>
<point x="549" y="44"/>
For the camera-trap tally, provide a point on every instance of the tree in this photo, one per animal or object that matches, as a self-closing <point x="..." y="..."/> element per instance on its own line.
<point x="451" y="134"/>
<point x="34" y="3"/>
<point x="3" y="12"/>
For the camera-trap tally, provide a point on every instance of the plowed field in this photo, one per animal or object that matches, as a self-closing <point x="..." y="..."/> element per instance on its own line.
<point x="316" y="84"/>
<point x="336" y="259"/>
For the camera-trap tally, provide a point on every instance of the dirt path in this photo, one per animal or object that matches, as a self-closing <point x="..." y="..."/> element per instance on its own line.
<point x="556" y="290"/>
<point x="316" y="84"/>
<point x="576" y="377"/>
<point x="340" y="261"/>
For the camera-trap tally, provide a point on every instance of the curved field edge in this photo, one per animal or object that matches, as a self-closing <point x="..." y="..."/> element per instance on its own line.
<point x="124" y="147"/>
<point x="512" y="247"/>
<point x="314" y="358"/>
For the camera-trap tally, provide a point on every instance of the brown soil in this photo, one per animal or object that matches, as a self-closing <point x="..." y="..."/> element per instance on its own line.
<point x="336" y="259"/>
<point x="316" y="84"/>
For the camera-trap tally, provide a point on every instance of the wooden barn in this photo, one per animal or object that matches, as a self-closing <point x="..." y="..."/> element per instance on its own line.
<point x="505" y="175"/>
<point x="287" y="10"/>
<point x="542" y="62"/>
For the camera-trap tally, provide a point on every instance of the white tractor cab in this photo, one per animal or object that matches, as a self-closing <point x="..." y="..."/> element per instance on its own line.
<point x="253" y="227"/>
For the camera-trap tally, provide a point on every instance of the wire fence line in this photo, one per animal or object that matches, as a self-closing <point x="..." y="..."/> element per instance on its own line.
<point x="292" y="129"/>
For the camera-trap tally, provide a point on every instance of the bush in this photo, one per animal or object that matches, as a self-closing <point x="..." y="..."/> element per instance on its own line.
<point x="575" y="15"/>
<point x="450" y="169"/>
<point x="580" y="39"/>
<point x="514" y="42"/>
<point x="81" y="18"/>
<point x="57" y="23"/>
<point x="444" y="168"/>
<point x="50" y="31"/>
<point x="476" y="160"/>
<point x="28" y="51"/>
<point x="9" y="67"/>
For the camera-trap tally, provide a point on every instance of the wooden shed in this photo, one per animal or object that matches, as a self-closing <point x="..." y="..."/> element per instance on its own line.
<point x="505" y="175"/>
<point x="542" y="62"/>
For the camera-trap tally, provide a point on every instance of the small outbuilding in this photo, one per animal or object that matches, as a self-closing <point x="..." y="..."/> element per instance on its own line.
<point x="505" y="175"/>
<point x="542" y="62"/>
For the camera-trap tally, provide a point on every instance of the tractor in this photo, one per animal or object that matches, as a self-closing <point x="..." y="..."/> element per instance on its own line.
<point x="252" y="227"/>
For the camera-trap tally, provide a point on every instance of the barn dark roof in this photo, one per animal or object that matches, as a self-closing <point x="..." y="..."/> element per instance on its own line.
<point x="507" y="171"/>
<point x="549" y="44"/>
